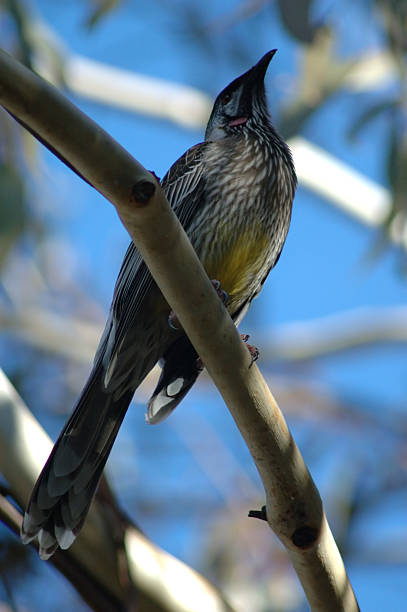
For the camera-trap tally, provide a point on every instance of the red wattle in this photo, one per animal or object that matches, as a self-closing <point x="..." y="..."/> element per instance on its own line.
<point x="238" y="121"/>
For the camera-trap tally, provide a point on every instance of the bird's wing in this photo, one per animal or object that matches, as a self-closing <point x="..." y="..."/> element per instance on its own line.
<point x="183" y="185"/>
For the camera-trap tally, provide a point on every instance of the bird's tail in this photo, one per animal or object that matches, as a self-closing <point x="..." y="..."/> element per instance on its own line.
<point x="180" y="369"/>
<point x="65" y="488"/>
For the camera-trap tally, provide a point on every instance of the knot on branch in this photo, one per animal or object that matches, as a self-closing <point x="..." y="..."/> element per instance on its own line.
<point x="142" y="191"/>
<point x="305" y="536"/>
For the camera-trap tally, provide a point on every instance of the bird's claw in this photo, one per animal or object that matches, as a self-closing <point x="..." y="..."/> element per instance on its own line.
<point x="199" y="364"/>
<point x="253" y="350"/>
<point x="223" y="295"/>
<point x="173" y="321"/>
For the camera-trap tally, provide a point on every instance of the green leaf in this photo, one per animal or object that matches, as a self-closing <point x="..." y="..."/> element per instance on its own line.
<point x="21" y="17"/>
<point x="102" y="8"/>
<point x="397" y="176"/>
<point x="295" y="15"/>
<point x="13" y="214"/>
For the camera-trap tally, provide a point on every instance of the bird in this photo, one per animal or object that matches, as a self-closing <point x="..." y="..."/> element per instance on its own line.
<point x="233" y="194"/>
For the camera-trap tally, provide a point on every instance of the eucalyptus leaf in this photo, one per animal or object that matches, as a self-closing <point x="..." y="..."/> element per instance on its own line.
<point x="13" y="213"/>
<point x="101" y="10"/>
<point x="397" y="176"/>
<point x="400" y="173"/>
<point x="20" y="16"/>
<point x="296" y="18"/>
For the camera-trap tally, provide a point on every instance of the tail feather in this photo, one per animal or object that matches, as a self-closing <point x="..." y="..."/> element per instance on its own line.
<point x="65" y="488"/>
<point x="179" y="372"/>
<point x="82" y="430"/>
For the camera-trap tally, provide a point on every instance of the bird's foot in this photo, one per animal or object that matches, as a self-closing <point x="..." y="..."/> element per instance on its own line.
<point x="253" y="350"/>
<point x="173" y="321"/>
<point x="222" y="294"/>
<point x="199" y="364"/>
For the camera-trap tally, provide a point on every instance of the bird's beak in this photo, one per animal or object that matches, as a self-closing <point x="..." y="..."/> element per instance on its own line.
<point x="244" y="91"/>
<point x="251" y="85"/>
<point x="260" y="69"/>
<point x="258" y="72"/>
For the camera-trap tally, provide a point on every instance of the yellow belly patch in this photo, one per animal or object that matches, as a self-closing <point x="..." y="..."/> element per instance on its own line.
<point x="237" y="266"/>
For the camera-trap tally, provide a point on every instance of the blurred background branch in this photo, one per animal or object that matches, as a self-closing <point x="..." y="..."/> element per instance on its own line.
<point x="161" y="582"/>
<point x="346" y="331"/>
<point x="322" y="75"/>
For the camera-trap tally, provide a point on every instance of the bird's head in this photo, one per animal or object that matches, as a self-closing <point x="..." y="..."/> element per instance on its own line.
<point x="242" y="100"/>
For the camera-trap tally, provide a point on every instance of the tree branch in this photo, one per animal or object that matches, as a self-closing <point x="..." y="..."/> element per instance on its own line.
<point x="24" y="447"/>
<point x="294" y="508"/>
<point x="350" y="330"/>
<point x="351" y="191"/>
<point x="90" y="589"/>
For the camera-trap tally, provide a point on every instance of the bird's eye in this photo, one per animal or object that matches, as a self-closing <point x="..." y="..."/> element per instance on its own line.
<point x="226" y="98"/>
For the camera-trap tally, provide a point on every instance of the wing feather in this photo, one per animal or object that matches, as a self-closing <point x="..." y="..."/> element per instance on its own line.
<point x="183" y="185"/>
